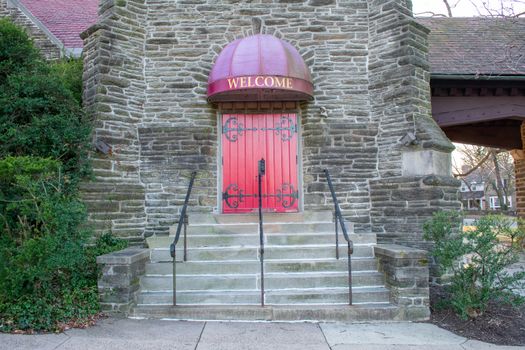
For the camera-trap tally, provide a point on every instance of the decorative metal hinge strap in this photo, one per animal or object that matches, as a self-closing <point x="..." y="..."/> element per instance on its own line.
<point x="232" y="129"/>
<point x="285" y="128"/>
<point x="287" y="200"/>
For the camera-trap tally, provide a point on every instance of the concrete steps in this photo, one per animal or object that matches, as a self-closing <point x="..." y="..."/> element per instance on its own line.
<point x="303" y="279"/>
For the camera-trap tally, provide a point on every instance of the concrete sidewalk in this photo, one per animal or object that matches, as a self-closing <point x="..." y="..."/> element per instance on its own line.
<point x="127" y="334"/>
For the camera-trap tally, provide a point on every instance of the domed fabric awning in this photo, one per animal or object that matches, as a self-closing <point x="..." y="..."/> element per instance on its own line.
<point x="259" y="68"/>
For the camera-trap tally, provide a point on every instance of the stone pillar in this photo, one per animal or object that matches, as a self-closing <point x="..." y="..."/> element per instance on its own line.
<point x="119" y="280"/>
<point x="406" y="274"/>
<point x="414" y="173"/>
<point x="114" y="96"/>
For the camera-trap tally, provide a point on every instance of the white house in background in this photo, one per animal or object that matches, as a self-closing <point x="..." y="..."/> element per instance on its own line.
<point x="474" y="197"/>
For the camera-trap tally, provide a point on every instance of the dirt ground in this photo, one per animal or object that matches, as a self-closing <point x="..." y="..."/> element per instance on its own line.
<point x="500" y="324"/>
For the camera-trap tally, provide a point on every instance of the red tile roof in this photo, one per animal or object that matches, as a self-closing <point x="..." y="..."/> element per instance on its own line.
<point x="66" y="19"/>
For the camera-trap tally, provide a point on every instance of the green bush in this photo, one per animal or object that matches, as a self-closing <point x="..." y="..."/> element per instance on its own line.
<point x="70" y="73"/>
<point x="477" y="260"/>
<point x="17" y="52"/>
<point x="48" y="274"/>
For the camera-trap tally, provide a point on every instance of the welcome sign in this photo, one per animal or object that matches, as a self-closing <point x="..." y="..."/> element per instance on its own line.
<point x="260" y="81"/>
<point x="218" y="90"/>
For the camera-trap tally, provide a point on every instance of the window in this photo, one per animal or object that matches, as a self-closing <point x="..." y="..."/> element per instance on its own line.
<point x="494" y="202"/>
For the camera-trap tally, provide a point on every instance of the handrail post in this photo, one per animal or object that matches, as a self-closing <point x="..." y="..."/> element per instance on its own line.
<point x="173" y="246"/>
<point x="339" y="220"/>
<point x="262" y="171"/>
<point x="349" y="273"/>
<point x="174" y="278"/>
<point x="336" y="237"/>
<point x="185" y="256"/>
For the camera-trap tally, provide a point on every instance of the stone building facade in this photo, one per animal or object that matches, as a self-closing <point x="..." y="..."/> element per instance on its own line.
<point x="146" y="71"/>
<point x="50" y="49"/>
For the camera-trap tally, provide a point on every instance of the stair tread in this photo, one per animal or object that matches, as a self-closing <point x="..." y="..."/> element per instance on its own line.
<point x="272" y="274"/>
<point x="328" y="290"/>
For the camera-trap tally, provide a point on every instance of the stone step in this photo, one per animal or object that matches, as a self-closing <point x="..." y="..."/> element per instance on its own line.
<point x="271" y="252"/>
<point x="355" y="313"/>
<point x="321" y="279"/>
<point x="252" y="281"/>
<point x="308" y="216"/>
<point x="233" y="267"/>
<point x="272" y="297"/>
<point x="240" y="239"/>
<point x="286" y="227"/>
<point x="364" y="295"/>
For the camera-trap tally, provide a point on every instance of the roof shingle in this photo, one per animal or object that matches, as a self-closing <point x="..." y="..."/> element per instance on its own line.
<point x="476" y="45"/>
<point x="66" y="19"/>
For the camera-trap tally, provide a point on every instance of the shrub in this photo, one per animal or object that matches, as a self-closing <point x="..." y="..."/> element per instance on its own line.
<point x="476" y="260"/>
<point x="48" y="274"/>
<point x="40" y="112"/>
<point x="70" y="73"/>
<point x="17" y="52"/>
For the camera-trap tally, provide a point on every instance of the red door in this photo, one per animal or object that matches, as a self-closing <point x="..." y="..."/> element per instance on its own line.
<point x="246" y="138"/>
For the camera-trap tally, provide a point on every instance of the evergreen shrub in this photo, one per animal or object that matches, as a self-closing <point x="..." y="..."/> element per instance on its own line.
<point x="477" y="260"/>
<point x="48" y="275"/>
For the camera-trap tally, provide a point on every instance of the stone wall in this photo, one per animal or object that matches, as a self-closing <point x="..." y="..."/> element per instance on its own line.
<point x="406" y="274"/>
<point x="119" y="279"/>
<point x="147" y="64"/>
<point x="114" y="95"/>
<point x="414" y="175"/>
<point x="48" y="48"/>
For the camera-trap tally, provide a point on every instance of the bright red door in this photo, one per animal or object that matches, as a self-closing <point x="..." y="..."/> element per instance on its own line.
<point x="246" y="138"/>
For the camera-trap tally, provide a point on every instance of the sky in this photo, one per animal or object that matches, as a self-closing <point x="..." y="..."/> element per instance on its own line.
<point x="466" y="8"/>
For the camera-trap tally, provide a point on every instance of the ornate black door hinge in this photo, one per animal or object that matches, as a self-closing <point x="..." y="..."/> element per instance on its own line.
<point x="287" y="195"/>
<point x="285" y="127"/>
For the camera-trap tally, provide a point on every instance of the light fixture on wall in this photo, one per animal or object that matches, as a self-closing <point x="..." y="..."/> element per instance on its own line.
<point x="323" y="112"/>
<point x="103" y="147"/>
<point x="409" y="139"/>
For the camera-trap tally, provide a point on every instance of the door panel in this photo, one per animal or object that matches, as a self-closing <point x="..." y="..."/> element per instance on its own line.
<point x="246" y="138"/>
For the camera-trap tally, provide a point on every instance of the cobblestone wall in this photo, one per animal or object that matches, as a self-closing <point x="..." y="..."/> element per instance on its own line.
<point x="147" y="64"/>
<point x="41" y="40"/>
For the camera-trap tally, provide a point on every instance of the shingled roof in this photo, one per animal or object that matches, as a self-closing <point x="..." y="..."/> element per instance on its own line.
<point x="476" y="46"/>
<point x="65" y="19"/>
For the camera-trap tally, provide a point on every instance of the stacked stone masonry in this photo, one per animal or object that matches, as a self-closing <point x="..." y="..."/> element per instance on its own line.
<point x="406" y="274"/>
<point x="118" y="282"/>
<point x="146" y="69"/>
<point x="49" y="49"/>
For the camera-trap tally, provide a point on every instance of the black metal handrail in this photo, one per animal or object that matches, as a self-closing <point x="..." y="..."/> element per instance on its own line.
<point x="183" y="220"/>
<point x="262" y="171"/>
<point x="339" y="220"/>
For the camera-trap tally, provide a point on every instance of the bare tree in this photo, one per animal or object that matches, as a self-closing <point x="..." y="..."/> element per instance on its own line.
<point x="493" y="167"/>
<point x="485" y="8"/>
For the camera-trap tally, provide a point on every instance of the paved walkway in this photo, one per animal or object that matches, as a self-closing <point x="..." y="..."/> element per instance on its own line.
<point x="126" y="334"/>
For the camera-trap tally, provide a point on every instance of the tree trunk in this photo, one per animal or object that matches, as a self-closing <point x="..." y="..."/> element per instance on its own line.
<point x="499" y="184"/>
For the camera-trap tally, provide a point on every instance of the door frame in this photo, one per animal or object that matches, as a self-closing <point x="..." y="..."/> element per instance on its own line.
<point x="220" y="115"/>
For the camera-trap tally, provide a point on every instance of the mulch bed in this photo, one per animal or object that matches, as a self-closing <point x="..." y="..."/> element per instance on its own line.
<point x="500" y="324"/>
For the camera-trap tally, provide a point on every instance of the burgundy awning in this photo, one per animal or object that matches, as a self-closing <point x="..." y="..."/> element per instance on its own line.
<point x="259" y="68"/>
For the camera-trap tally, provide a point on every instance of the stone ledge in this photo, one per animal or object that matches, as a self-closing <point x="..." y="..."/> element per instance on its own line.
<point x="397" y="251"/>
<point x="124" y="257"/>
